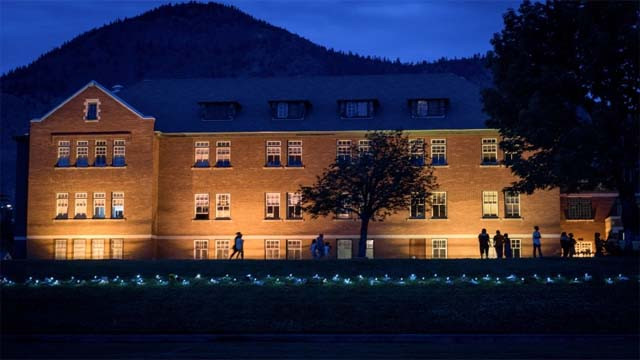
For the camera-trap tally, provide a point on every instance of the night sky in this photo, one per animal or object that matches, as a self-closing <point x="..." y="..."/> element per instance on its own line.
<point x="409" y="30"/>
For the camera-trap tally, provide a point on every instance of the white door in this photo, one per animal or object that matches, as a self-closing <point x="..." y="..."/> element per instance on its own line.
<point x="344" y="248"/>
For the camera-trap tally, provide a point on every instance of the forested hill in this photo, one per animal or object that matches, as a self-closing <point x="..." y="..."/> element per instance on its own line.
<point x="183" y="40"/>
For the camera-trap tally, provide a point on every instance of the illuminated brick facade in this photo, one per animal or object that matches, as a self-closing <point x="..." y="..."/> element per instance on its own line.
<point x="156" y="189"/>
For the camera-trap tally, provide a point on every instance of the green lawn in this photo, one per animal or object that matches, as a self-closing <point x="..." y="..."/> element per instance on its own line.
<point x="591" y="307"/>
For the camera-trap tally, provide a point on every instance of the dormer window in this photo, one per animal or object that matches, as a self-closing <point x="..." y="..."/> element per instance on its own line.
<point x="288" y="110"/>
<point x="424" y="108"/>
<point x="218" y="110"/>
<point x="353" y="109"/>
<point x="92" y="110"/>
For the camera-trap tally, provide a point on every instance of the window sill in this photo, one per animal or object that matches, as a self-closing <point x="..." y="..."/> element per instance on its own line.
<point x="201" y="168"/>
<point x="438" y="219"/>
<point x="490" y="218"/>
<point x="293" y="220"/>
<point x="443" y="166"/>
<point x="272" y="220"/>
<point x="88" y="167"/>
<point x="579" y="220"/>
<point x="89" y="220"/>
<point x="519" y="218"/>
<point x="201" y="220"/>
<point x="416" y="219"/>
<point x="344" y="219"/>
<point x="490" y="165"/>
<point x="223" y="219"/>
<point x="294" y="167"/>
<point x="221" y="168"/>
<point x="273" y="167"/>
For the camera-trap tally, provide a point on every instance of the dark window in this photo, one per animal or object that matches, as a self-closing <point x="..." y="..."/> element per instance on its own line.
<point x="428" y="107"/>
<point x="92" y="111"/>
<point x="357" y="109"/>
<point x="288" y="109"/>
<point x="218" y="111"/>
<point x="579" y="208"/>
<point x="417" y="207"/>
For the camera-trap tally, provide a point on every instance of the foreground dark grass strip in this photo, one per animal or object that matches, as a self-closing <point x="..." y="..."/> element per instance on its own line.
<point x="599" y="267"/>
<point x="534" y="308"/>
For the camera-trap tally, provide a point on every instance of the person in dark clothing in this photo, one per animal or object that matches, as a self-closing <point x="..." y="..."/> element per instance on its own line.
<point x="508" y="253"/>
<point x="572" y="245"/>
<point x="498" y="243"/>
<point x="483" y="239"/>
<point x="564" y="244"/>
<point x="599" y="244"/>
<point x="238" y="247"/>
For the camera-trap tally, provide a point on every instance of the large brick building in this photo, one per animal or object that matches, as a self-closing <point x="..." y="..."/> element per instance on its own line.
<point x="219" y="156"/>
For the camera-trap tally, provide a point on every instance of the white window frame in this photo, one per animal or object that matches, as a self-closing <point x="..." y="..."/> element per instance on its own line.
<point x="201" y="151"/>
<point x="274" y="151"/>
<point x="438" y="150"/>
<point x="364" y="147"/>
<point x="62" y="205"/>
<point x="82" y="149"/>
<point x="490" y="150"/>
<point x="201" y="206"/>
<point x="416" y="149"/>
<point x="369" y="251"/>
<point x="438" y="251"/>
<point x="516" y="248"/>
<point x="489" y="205"/>
<point x="87" y="102"/>
<point x="99" y="201"/>
<point x="64" y="149"/>
<point x="221" y="212"/>
<point x="439" y="198"/>
<point x="117" y="204"/>
<point x="200" y="249"/>
<point x="222" y="249"/>
<point x="119" y="148"/>
<point x="343" y="150"/>
<point x="511" y="206"/>
<point x="294" y="249"/>
<point x="223" y="151"/>
<point x="79" y="249"/>
<point x="117" y="249"/>
<point x="419" y="201"/>
<point x="272" y="249"/>
<point x="294" y="205"/>
<point x="272" y="206"/>
<point x="294" y="149"/>
<point x="344" y="249"/>
<point x="60" y="249"/>
<point x="97" y="249"/>
<point x="81" y="200"/>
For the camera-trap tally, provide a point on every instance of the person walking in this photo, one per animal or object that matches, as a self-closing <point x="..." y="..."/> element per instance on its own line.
<point x="312" y="249"/>
<point x="238" y="246"/>
<point x="508" y="253"/>
<point x="564" y="244"/>
<point x="498" y="244"/>
<point x="483" y="240"/>
<point x="572" y="245"/>
<point x="537" y="243"/>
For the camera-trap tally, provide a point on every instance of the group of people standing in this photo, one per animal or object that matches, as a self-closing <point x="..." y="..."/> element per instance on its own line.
<point x="319" y="248"/>
<point x="568" y="244"/>
<point x="499" y="247"/>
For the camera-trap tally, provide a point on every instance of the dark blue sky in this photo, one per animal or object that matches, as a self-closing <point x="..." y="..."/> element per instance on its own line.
<point x="410" y="30"/>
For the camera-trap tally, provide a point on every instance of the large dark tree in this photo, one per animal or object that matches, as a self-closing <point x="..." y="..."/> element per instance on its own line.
<point x="377" y="180"/>
<point x="565" y="95"/>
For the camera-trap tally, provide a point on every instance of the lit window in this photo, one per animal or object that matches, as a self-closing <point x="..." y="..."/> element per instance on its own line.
<point x="117" y="248"/>
<point x="60" y="249"/>
<point x="82" y="153"/>
<point x="416" y="150"/>
<point x="583" y="249"/>
<point x="202" y="206"/>
<point x="294" y="249"/>
<point x="272" y="249"/>
<point x="344" y="150"/>
<point x="439" y="205"/>
<point x="511" y="204"/>
<point x="294" y="153"/>
<point x="117" y="205"/>
<point x="439" y="152"/>
<point x="202" y="153"/>
<point x="579" y="208"/>
<point x="223" y="206"/>
<point x="119" y="149"/>
<point x="201" y="249"/>
<point x="490" y="151"/>
<point x="439" y="248"/>
<point x="294" y="208"/>
<point x="273" y="153"/>
<point x="515" y="247"/>
<point x="101" y="153"/>
<point x="81" y="206"/>
<point x="99" y="203"/>
<point x="490" y="204"/>
<point x="92" y="110"/>
<point x="223" y="154"/>
<point x="62" y="205"/>
<point x="79" y="249"/>
<point x="97" y="249"/>
<point x="64" y="151"/>
<point x="272" y="201"/>
<point x="344" y="248"/>
<point x="417" y="210"/>
<point x="364" y="147"/>
<point x="222" y="249"/>
<point x="369" y="249"/>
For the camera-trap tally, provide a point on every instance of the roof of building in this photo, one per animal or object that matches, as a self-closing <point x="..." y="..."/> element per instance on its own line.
<point x="175" y="102"/>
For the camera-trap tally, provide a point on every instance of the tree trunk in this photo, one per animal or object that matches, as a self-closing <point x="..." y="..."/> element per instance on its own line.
<point x="630" y="217"/>
<point x="362" y="244"/>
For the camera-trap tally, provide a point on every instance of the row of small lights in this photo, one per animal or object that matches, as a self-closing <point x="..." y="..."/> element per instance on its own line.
<point x="249" y="279"/>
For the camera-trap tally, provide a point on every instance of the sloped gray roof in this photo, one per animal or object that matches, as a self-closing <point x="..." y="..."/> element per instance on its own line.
<point x="174" y="102"/>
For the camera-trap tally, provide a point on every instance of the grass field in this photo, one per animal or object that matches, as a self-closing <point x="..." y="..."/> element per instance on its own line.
<point x="592" y="307"/>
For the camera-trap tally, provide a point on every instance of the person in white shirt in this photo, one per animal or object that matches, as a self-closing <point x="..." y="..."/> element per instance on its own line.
<point x="536" y="241"/>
